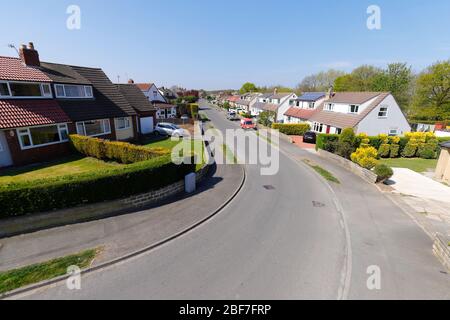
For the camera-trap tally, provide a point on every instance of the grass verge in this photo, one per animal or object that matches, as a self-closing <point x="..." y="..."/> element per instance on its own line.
<point x="415" y="164"/>
<point x="324" y="173"/>
<point x="21" y="277"/>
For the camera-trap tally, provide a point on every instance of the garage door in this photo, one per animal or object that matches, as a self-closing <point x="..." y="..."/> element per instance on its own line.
<point x="146" y="125"/>
<point x="5" y="156"/>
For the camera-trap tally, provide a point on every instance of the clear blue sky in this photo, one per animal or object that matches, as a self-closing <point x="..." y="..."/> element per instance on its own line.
<point x="222" y="43"/>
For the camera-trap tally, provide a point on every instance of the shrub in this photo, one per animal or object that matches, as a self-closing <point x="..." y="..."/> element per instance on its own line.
<point x="384" y="151"/>
<point x="325" y="139"/>
<point x="365" y="157"/>
<point x="121" y="152"/>
<point x="194" y="110"/>
<point x="346" y="144"/>
<point x="410" y="150"/>
<point x="427" y="151"/>
<point x="375" y="142"/>
<point x="395" y="151"/>
<point x="68" y="191"/>
<point x="292" y="129"/>
<point x="383" y="172"/>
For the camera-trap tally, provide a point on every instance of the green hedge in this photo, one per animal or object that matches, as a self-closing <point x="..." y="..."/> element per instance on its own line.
<point x="292" y="129"/>
<point x="194" y="110"/>
<point x="121" y="152"/>
<point x="324" y="140"/>
<point x="68" y="191"/>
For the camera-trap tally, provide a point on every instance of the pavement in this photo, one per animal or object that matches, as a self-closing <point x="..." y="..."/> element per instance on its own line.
<point x="287" y="236"/>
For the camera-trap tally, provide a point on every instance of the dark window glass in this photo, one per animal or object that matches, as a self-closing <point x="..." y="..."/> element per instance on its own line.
<point x="4" y="89"/>
<point x="25" y="90"/>
<point x="43" y="135"/>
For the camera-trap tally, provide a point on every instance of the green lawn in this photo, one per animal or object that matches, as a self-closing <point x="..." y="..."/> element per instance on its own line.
<point x="14" y="279"/>
<point x="169" y="144"/>
<point x="72" y="165"/>
<point x="324" y="173"/>
<point x="415" y="164"/>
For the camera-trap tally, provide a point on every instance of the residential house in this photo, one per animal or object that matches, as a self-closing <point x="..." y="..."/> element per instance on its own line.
<point x="146" y="112"/>
<point x="168" y="94"/>
<point x="275" y="102"/>
<point x="304" y="107"/>
<point x="164" y="110"/>
<point x="367" y="112"/>
<point x="443" y="166"/>
<point x="232" y="100"/>
<point x="247" y="101"/>
<point x="42" y="103"/>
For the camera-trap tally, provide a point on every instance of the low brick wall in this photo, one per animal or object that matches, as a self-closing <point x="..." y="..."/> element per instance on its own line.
<point x="441" y="250"/>
<point x="365" y="174"/>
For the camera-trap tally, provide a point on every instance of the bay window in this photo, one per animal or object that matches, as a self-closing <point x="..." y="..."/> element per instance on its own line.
<point x="318" y="127"/>
<point x="94" y="127"/>
<point x="43" y="135"/>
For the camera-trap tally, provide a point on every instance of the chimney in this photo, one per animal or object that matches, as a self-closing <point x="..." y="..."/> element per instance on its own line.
<point x="275" y="91"/>
<point x="329" y="93"/>
<point x="131" y="81"/>
<point x="29" y="55"/>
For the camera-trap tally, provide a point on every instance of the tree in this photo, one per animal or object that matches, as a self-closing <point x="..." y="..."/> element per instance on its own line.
<point x="266" y="118"/>
<point x="343" y="83"/>
<point x="397" y="79"/>
<point x="248" y="87"/>
<point x="361" y="79"/>
<point x="432" y="99"/>
<point x="321" y="81"/>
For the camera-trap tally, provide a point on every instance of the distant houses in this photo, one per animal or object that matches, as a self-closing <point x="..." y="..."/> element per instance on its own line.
<point x="164" y="110"/>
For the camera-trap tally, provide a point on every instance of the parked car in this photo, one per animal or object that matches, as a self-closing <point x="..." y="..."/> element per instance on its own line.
<point x="248" y="124"/>
<point x="310" y="137"/>
<point x="169" y="129"/>
<point x="232" y="115"/>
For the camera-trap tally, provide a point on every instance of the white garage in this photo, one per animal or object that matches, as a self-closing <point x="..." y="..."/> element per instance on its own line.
<point x="147" y="125"/>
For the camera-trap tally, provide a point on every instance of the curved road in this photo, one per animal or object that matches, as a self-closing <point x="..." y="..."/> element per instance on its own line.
<point x="282" y="237"/>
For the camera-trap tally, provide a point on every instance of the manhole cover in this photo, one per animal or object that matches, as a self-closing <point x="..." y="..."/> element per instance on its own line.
<point x="317" y="204"/>
<point x="269" y="187"/>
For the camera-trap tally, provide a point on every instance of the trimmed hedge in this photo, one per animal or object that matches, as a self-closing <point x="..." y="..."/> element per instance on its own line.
<point x="194" y="110"/>
<point x="324" y="140"/>
<point x="68" y="191"/>
<point x="121" y="152"/>
<point x="292" y="129"/>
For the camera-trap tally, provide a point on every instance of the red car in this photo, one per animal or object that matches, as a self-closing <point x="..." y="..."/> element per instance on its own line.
<point x="248" y="124"/>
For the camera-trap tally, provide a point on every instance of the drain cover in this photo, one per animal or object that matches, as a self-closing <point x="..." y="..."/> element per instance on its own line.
<point x="269" y="187"/>
<point x="317" y="204"/>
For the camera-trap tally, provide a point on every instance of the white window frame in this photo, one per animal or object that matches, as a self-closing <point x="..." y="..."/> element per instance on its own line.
<point x="329" y="107"/>
<point x="41" y="88"/>
<point x="386" y="112"/>
<point x="127" y="122"/>
<point x="391" y="134"/>
<point x="356" y="106"/>
<point x="103" y="121"/>
<point x="85" y="88"/>
<point x="317" y="126"/>
<point x="60" y="126"/>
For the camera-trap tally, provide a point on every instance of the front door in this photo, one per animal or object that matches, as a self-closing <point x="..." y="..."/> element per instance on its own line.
<point x="5" y="155"/>
<point x="328" y="129"/>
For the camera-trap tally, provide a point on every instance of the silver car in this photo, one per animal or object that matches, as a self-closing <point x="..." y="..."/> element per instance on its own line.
<point x="170" y="129"/>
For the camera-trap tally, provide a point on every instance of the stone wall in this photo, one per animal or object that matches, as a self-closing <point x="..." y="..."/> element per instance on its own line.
<point x="365" y="174"/>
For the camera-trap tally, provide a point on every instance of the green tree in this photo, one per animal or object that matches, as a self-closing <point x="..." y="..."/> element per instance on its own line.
<point x="432" y="98"/>
<point x="266" y="118"/>
<point x="397" y="79"/>
<point x="344" y="83"/>
<point x="248" y="87"/>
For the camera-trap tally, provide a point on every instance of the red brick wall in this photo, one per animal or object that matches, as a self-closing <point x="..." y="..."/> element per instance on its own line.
<point x="39" y="154"/>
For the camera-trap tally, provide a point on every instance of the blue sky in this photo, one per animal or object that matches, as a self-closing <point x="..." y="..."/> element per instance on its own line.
<point x="215" y="44"/>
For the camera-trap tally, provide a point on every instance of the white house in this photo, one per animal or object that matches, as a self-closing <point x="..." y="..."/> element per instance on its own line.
<point x="304" y="107"/>
<point x="247" y="101"/>
<point x="164" y="110"/>
<point x="367" y="112"/>
<point x="276" y="102"/>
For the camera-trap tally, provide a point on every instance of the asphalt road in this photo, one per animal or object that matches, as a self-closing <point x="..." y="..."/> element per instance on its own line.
<point x="283" y="237"/>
